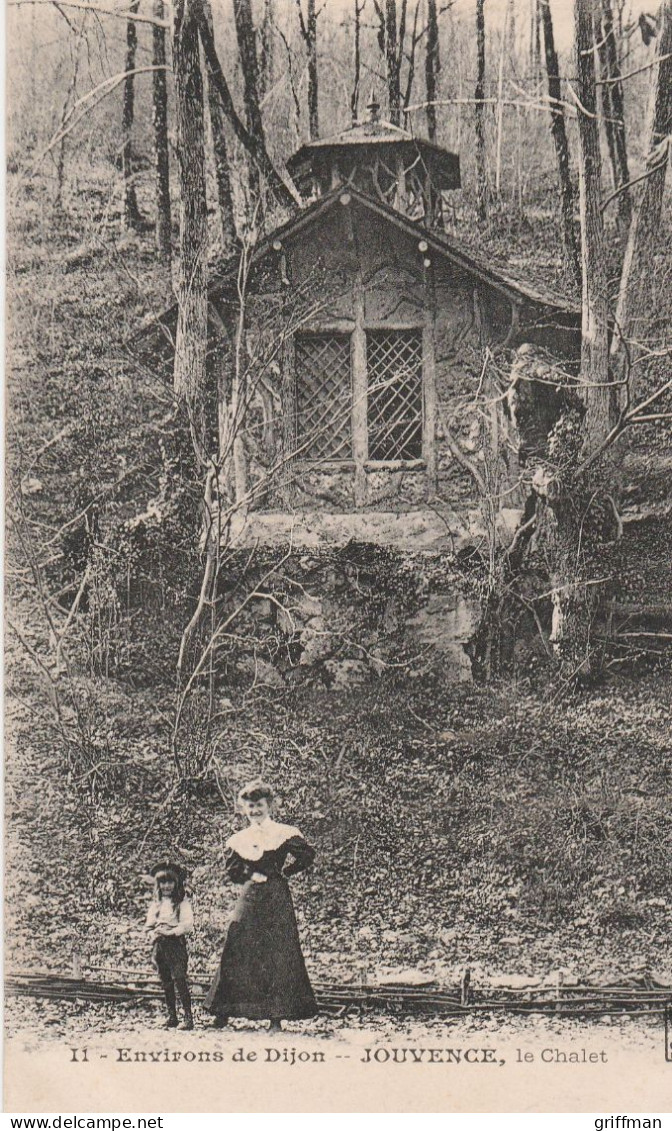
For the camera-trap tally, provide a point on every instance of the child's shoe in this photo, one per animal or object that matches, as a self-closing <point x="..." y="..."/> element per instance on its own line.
<point x="171" y="1023"/>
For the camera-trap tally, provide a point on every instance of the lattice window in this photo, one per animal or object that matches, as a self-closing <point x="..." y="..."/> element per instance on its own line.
<point x="394" y="363"/>
<point x="323" y="396"/>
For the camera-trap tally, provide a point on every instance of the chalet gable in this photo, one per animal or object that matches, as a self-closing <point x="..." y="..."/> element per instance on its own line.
<point x="445" y="247"/>
<point x="437" y="248"/>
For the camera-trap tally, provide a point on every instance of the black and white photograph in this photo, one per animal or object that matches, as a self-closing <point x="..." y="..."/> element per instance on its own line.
<point x="338" y="556"/>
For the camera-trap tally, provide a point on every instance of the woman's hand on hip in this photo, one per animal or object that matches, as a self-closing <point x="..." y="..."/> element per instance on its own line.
<point x="259" y="877"/>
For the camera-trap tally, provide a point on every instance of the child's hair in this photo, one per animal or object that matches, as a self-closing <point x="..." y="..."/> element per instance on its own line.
<point x="256" y="791"/>
<point x="178" y="885"/>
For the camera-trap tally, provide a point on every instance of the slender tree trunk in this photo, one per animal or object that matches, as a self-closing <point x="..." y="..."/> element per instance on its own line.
<point x="131" y="211"/>
<point x="253" y="144"/>
<point x="221" y="156"/>
<point x="613" y="112"/>
<point x="357" y="62"/>
<point x="309" y="33"/>
<point x="564" y="500"/>
<point x="479" y="95"/>
<point x="160" y="121"/>
<point x="535" y="39"/>
<point x="634" y="291"/>
<point x="70" y="96"/>
<point x="595" y="308"/>
<point x="266" y="61"/>
<point x="411" y="57"/>
<point x="247" y="47"/>
<point x="432" y="67"/>
<point x="312" y="72"/>
<point x="500" y="103"/>
<point x="559" y="133"/>
<point x="393" y="62"/>
<point x="192" y="320"/>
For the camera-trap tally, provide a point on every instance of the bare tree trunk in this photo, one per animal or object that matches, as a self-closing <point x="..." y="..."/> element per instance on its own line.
<point x="613" y="111"/>
<point x="595" y="309"/>
<point x="393" y="60"/>
<point x="535" y="38"/>
<point x="416" y="36"/>
<point x="564" y="499"/>
<point x="72" y="91"/>
<point x="574" y="600"/>
<point x="312" y="72"/>
<point x="391" y="39"/>
<point x="500" y="103"/>
<point x="559" y="133"/>
<point x="247" y="47"/>
<point x="309" y="33"/>
<point x="253" y="144"/>
<point x="221" y="156"/>
<point x="479" y="95"/>
<point x="131" y="211"/>
<point x="160" y="121"/>
<point x="357" y="62"/>
<point x="192" y="320"/>
<point x="432" y="67"/>
<point x="634" y="288"/>
<point x="242" y="10"/>
<point x="266" y="61"/>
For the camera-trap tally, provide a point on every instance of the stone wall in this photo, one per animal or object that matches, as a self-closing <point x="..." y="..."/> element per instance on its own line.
<point x="338" y="617"/>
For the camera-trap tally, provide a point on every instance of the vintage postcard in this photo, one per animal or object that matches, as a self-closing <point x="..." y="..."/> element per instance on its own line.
<point x="338" y="544"/>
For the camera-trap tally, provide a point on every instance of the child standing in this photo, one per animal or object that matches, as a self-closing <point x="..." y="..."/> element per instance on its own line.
<point x="169" y="919"/>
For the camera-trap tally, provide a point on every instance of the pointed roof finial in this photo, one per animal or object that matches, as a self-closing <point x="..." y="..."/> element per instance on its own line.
<point x="373" y="107"/>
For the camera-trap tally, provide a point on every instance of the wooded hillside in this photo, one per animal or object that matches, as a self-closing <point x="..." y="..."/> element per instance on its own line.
<point x="152" y="666"/>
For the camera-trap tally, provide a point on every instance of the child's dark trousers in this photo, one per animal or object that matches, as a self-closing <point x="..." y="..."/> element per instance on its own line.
<point x="171" y="959"/>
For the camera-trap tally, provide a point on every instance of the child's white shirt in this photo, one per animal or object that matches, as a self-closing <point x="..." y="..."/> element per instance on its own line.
<point x="163" y="911"/>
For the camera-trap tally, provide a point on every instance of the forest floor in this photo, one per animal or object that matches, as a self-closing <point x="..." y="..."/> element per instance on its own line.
<point x="455" y="827"/>
<point x="34" y="1022"/>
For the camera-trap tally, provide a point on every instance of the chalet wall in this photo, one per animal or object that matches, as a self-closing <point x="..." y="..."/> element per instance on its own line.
<point x="352" y="256"/>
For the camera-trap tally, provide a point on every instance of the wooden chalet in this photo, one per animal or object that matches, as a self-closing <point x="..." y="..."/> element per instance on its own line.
<point x="365" y="330"/>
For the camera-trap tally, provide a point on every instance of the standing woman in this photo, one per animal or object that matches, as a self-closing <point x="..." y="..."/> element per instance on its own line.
<point x="262" y="974"/>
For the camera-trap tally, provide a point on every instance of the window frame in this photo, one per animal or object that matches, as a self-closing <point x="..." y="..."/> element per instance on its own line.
<point x="359" y="387"/>
<point x="307" y="334"/>
<point x="417" y="461"/>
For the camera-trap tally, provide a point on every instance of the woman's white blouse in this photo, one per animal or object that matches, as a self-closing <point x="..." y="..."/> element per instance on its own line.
<point x="267" y="836"/>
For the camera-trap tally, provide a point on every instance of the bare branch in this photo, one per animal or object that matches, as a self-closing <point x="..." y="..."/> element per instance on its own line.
<point x="120" y="13"/>
<point x="107" y="86"/>
<point x="643" y="176"/>
<point x="631" y="74"/>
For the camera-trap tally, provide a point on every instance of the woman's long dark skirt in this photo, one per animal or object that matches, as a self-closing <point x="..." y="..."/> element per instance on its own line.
<point x="262" y="973"/>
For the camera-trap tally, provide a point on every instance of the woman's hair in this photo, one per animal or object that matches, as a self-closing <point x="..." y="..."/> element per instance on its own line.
<point x="256" y="791"/>
<point x="178" y="886"/>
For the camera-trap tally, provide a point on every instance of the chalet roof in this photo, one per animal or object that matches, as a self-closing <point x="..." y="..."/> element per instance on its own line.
<point x="445" y="165"/>
<point x="367" y="132"/>
<point x="518" y="289"/>
<point x="515" y="285"/>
